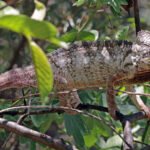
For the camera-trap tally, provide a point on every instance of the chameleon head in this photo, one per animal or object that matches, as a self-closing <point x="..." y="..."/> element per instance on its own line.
<point x="143" y="49"/>
<point x="145" y="64"/>
<point x="141" y="52"/>
<point x="143" y="57"/>
<point x="143" y="37"/>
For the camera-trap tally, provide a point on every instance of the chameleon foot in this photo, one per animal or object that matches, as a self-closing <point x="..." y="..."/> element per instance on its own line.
<point x="146" y="109"/>
<point x="112" y="107"/>
<point x="69" y="99"/>
<point x="112" y="113"/>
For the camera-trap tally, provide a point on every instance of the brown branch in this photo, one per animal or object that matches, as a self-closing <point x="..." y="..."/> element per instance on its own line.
<point x="11" y="140"/>
<point x="136" y="16"/>
<point x="133" y="93"/>
<point x="12" y="94"/>
<point x="49" y="109"/>
<point x="147" y="85"/>
<point x="128" y="136"/>
<point x="60" y="109"/>
<point x="57" y="144"/>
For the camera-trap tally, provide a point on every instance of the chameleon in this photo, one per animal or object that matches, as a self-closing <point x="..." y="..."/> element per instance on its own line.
<point x="91" y="65"/>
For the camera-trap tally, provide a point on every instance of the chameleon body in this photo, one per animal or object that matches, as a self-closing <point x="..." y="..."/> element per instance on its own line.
<point x="90" y="64"/>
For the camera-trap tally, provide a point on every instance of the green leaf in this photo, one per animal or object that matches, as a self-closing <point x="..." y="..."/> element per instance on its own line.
<point x="146" y="137"/>
<point x="85" y="36"/>
<point x="28" y="27"/>
<point x="75" y="127"/>
<point x="32" y="145"/>
<point x="90" y="140"/>
<point x="123" y="33"/>
<point x="116" y="5"/>
<point x="75" y="35"/>
<point x="49" y="118"/>
<point x="79" y="3"/>
<point x="96" y="129"/>
<point x="43" y="122"/>
<point x="69" y="36"/>
<point x="43" y="70"/>
<point x="114" y="141"/>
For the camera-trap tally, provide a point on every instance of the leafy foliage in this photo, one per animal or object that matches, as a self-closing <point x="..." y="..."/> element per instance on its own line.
<point x="28" y="27"/>
<point x="75" y="35"/>
<point x="32" y="28"/>
<point x="75" y="126"/>
<point x="80" y="20"/>
<point x="114" y="4"/>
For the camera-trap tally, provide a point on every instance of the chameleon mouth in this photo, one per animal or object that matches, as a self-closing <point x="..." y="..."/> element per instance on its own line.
<point x="140" y="77"/>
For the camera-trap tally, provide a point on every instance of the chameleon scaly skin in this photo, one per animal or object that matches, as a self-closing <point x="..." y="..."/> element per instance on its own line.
<point x="90" y="64"/>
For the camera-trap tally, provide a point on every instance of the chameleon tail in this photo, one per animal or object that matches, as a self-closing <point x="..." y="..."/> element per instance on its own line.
<point x="17" y="78"/>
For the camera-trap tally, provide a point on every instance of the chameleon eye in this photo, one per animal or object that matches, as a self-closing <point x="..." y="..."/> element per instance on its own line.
<point x="144" y="37"/>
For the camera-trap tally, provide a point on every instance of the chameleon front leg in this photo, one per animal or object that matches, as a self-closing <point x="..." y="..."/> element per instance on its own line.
<point x="112" y="107"/>
<point x="136" y="99"/>
<point x="69" y="99"/>
<point x="110" y="96"/>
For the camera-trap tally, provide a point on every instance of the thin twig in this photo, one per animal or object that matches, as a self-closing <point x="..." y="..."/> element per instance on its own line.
<point x="131" y="118"/>
<point x="11" y="140"/>
<point x="54" y="109"/>
<point x="105" y="122"/>
<point x="54" y="93"/>
<point x="136" y="16"/>
<point x="133" y="93"/>
<point x="59" y="109"/>
<point x="127" y="133"/>
<point x="142" y="143"/>
<point x="55" y="143"/>
<point x="145" y="130"/>
<point x="148" y="85"/>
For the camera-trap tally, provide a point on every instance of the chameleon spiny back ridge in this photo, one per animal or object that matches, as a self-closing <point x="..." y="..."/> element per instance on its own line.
<point x="89" y="64"/>
<point x="82" y="65"/>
